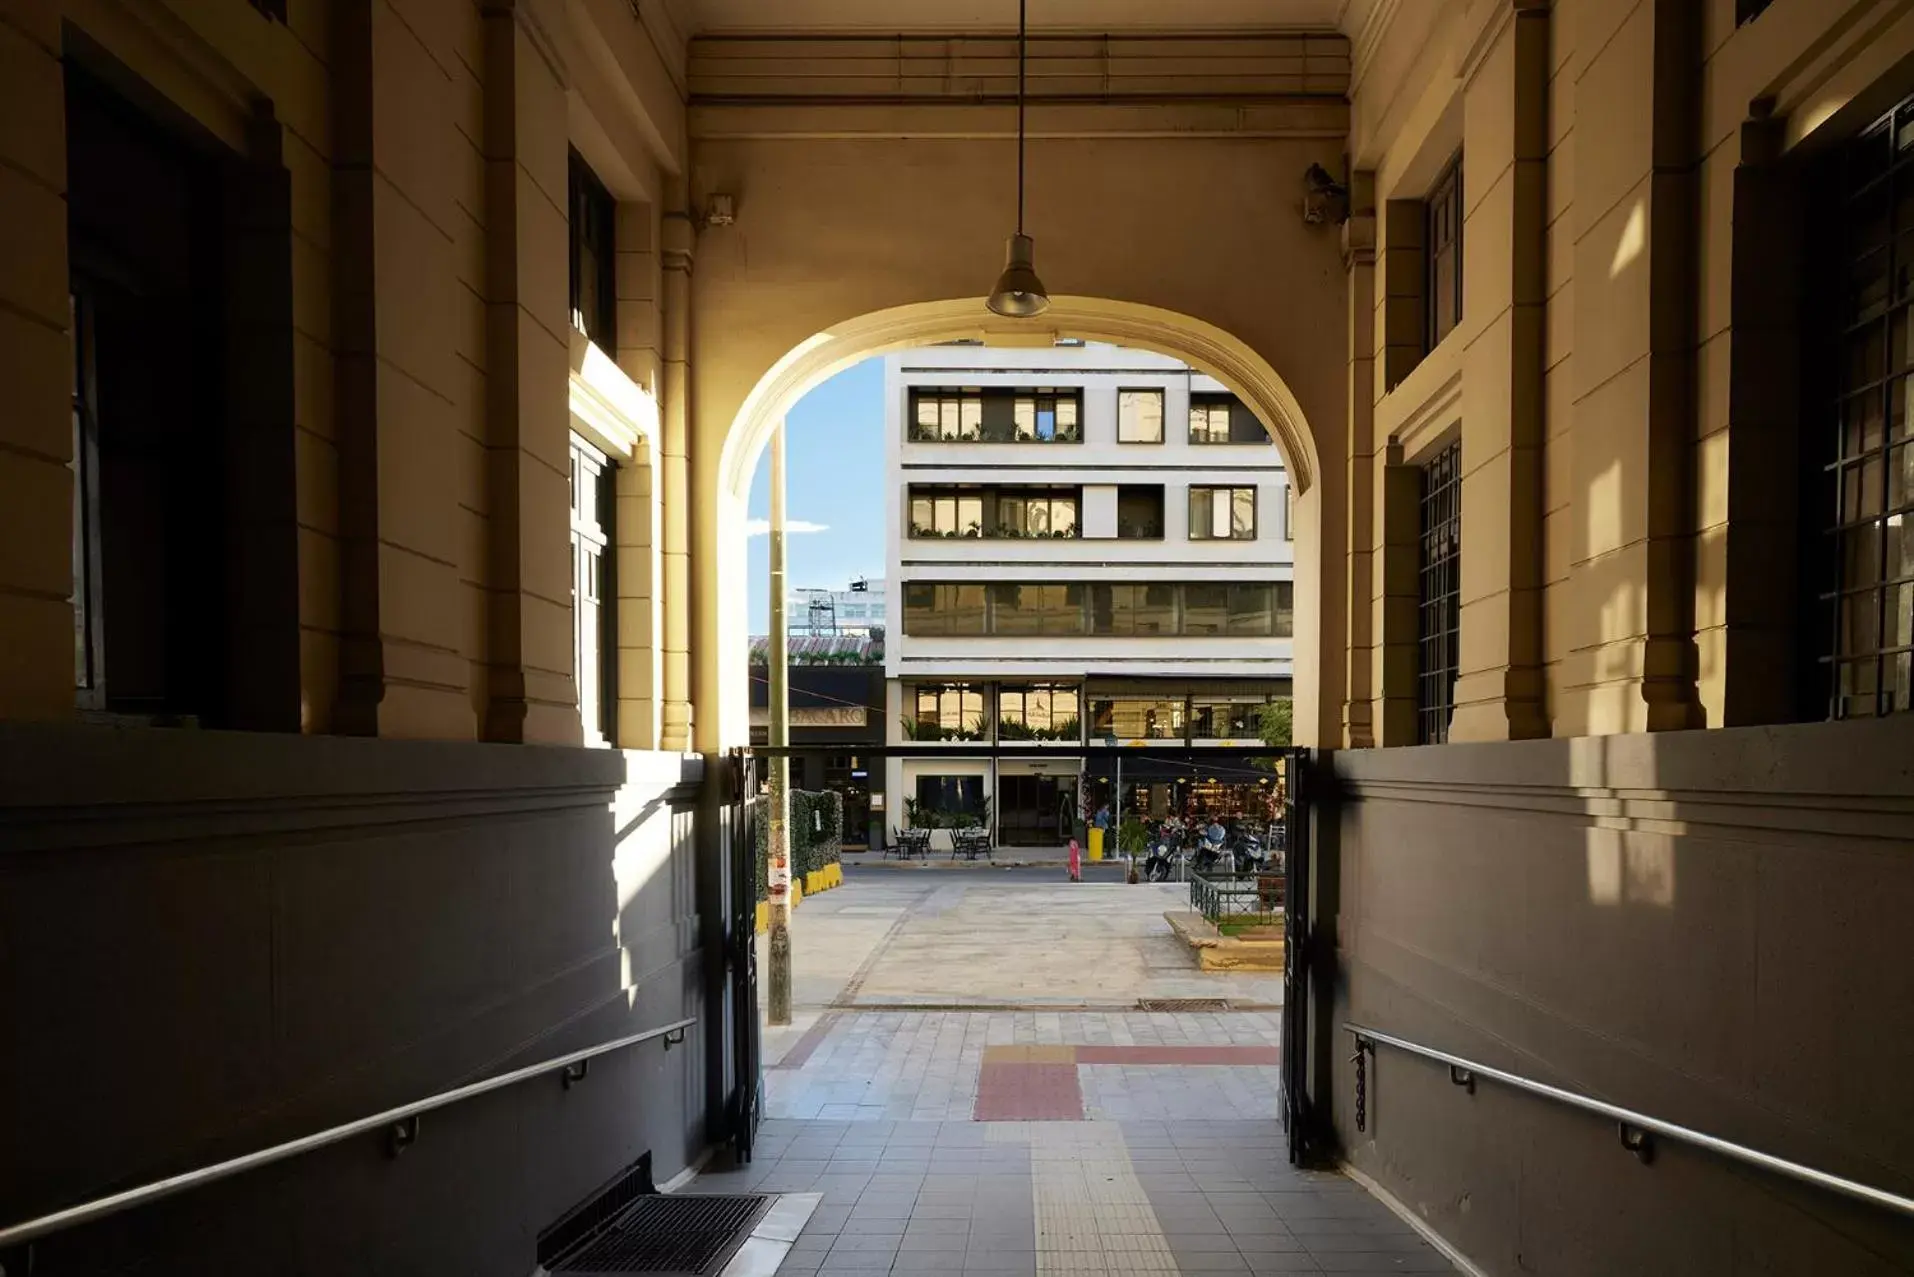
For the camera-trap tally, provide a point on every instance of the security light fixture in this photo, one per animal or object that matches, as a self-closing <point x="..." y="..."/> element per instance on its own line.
<point x="1324" y="198"/>
<point x="1019" y="294"/>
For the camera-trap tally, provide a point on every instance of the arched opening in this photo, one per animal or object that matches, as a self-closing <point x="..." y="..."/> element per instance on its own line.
<point x="1203" y="346"/>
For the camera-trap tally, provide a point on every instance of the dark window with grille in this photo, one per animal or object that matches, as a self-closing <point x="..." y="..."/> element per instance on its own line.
<point x="1439" y="596"/>
<point x="1862" y="572"/>
<point x="1444" y="248"/>
<point x="594" y="277"/>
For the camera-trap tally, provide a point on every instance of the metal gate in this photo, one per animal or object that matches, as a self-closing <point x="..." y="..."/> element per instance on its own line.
<point x="1299" y="1116"/>
<point x="741" y="957"/>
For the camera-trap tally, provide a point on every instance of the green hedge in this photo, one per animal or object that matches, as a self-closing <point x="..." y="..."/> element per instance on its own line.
<point x="817" y="834"/>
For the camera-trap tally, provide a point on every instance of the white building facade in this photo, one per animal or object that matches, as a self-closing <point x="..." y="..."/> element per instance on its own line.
<point x="1085" y="542"/>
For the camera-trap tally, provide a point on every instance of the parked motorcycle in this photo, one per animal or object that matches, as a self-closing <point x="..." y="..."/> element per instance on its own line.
<point x="1165" y="852"/>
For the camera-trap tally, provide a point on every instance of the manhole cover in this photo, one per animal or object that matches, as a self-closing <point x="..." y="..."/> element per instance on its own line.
<point x="1182" y="1004"/>
<point x="684" y="1235"/>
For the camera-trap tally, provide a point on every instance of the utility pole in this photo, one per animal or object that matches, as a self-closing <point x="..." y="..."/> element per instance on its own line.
<point x="778" y="872"/>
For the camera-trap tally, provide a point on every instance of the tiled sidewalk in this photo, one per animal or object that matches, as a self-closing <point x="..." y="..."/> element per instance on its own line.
<point x="1028" y="1199"/>
<point x="1070" y="1135"/>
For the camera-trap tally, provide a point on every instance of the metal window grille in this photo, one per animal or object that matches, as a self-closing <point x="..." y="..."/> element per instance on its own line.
<point x="1439" y="595"/>
<point x="1866" y="558"/>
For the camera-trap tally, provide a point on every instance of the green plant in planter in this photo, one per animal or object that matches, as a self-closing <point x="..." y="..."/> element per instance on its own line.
<point x="1132" y="837"/>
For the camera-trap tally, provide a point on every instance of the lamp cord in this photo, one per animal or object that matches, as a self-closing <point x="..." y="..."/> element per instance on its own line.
<point x="1021" y="5"/>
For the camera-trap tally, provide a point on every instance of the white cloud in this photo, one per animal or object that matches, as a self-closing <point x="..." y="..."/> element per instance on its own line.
<point x="762" y="527"/>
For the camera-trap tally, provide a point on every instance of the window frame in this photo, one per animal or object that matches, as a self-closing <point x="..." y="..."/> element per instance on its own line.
<point x="1140" y="491"/>
<point x="1208" y="492"/>
<point x="1162" y="413"/>
<point x="1861" y="606"/>
<point x="1443" y="211"/>
<point x="594" y="545"/>
<point x="593" y="223"/>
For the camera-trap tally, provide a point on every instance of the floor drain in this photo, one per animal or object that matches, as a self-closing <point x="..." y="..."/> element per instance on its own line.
<point x="680" y="1234"/>
<point x="1182" y="1004"/>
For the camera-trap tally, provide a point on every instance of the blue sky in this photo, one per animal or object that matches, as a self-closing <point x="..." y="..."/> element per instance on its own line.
<point x="834" y="458"/>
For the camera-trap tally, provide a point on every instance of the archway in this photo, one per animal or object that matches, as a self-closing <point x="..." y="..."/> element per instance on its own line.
<point x="721" y="661"/>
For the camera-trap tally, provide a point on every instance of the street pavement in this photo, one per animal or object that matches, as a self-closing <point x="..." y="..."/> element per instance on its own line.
<point x="975" y="1082"/>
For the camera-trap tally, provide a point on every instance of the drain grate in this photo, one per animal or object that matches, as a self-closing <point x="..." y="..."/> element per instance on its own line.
<point x="1182" y="1004"/>
<point x="685" y="1235"/>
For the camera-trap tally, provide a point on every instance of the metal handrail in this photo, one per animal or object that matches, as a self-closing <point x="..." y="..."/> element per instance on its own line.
<point x="1629" y="1118"/>
<point x="85" y="1212"/>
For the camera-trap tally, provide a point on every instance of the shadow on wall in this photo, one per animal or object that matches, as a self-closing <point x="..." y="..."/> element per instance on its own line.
<point x="214" y="942"/>
<point x="1707" y="927"/>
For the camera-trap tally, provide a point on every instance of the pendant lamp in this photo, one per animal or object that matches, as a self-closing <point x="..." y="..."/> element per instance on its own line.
<point x="1019" y="293"/>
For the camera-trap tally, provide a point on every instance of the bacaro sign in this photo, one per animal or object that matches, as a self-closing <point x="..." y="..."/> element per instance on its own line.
<point x="830" y="716"/>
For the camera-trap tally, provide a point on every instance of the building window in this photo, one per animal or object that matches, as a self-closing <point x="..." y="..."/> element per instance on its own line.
<point x="951" y="795"/>
<point x="1137" y="718"/>
<point x="1222" y="514"/>
<point x="1864" y="567"/>
<point x="594" y="632"/>
<point x="1224" y="419"/>
<point x="1227" y="717"/>
<point x="1139" y="416"/>
<point x="945" y="711"/>
<point x="593" y="264"/>
<point x="975" y="415"/>
<point x="1036" y="514"/>
<point x="1439" y="594"/>
<point x="1031" y="609"/>
<point x="943" y="610"/>
<point x="1143" y="611"/>
<point x="946" y="512"/>
<point x="1140" y="512"/>
<point x="1047" y="417"/>
<point x="1038" y="711"/>
<point x="946" y="416"/>
<point x="1008" y="512"/>
<point x="160" y="601"/>
<point x="1443" y="240"/>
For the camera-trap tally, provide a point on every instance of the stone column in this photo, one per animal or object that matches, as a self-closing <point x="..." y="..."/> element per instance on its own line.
<point x="36" y="426"/>
<point x="1630" y="660"/>
<point x="403" y="664"/>
<point x="1359" y="267"/>
<point x="532" y="694"/>
<point x="675" y="469"/>
<point x="1499" y="692"/>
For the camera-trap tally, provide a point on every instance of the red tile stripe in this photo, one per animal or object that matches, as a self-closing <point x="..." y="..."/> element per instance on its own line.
<point x="1178" y="1055"/>
<point x="1028" y="1093"/>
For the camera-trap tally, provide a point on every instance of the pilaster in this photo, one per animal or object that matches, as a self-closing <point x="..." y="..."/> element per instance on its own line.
<point x="678" y="244"/>
<point x="1359" y="267"/>
<point x="531" y="689"/>
<point x="403" y="664"/>
<point x="1630" y="611"/>
<point x="36" y="427"/>
<point x="1499" y="687"/>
